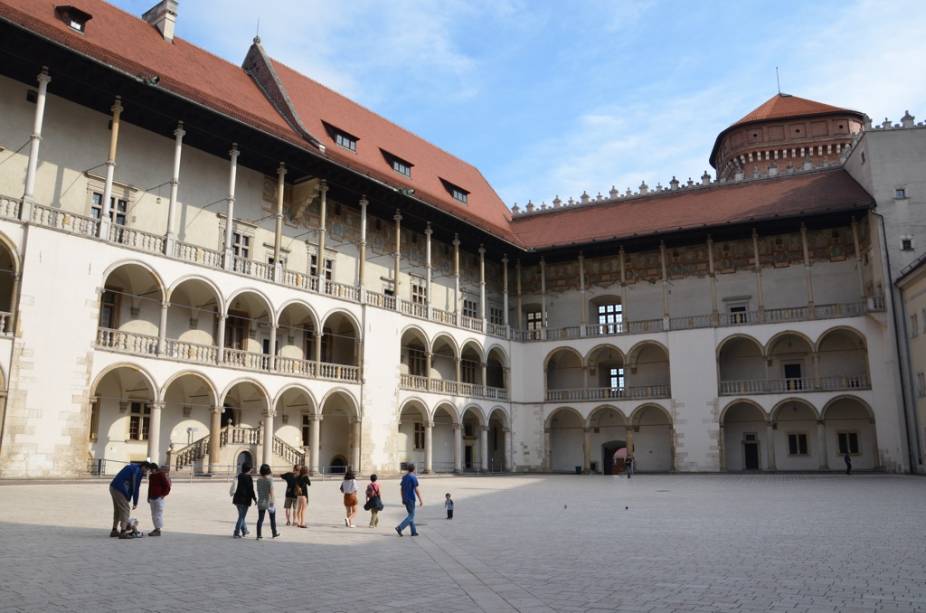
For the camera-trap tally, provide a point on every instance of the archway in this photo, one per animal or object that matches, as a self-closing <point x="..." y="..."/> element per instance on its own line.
<point x="653" y="444"/>
<point x="842" y="360"/>
<point x="741" y="366"/>
<point x="9" y="269"/>
<point x="497" y="440"/>
<point x="790" y="363"/>
<point x="566" y="429"/>
<point x="189" y="399"/>
<point x="607" y="433"/>
<point x="443" y="358"/>
<point x="565" y="374"/>
<point x="339" y="434"/>
<point x="193" y="321"/>
<point x="248" y="331"/>
<point x="850" y="428"/>
<point x="297" y="339"/>
<point x="410" y="445"/>
<point x="472" y="443"/>
<point x="130" y="310"/>
<point x="744" y="427"/>
<point x="496" y="365"/>
<point x="471" y="362"/>
<point x="649" y="371"/>
<point x="606" y="374"/>
<point x="794" y="436"/>
<point x="443" y="458"/>
<point x="121" y="428"/>
<point x="414" y="350"/>
<point x="295" y="409"/>
<point x="340" y="340"/>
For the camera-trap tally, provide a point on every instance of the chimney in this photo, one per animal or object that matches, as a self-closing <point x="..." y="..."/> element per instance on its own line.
<point x="163" y="16"/>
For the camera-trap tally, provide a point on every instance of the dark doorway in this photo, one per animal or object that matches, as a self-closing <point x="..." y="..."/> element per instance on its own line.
<point x="793" y="374"/>
<point x="607" y="455"/>
<point x="468" y="457"/>
<point x="751" y="455"/>
<point x="228" y="417"/>
<point x="245" y="457"/>
<point x="338" y="465"/>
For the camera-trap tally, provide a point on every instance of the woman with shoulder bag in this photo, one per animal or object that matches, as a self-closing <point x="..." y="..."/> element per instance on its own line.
<point x="374" y="502"/>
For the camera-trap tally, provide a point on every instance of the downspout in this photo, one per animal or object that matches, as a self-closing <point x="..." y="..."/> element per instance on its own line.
<point x="912" y="444"/>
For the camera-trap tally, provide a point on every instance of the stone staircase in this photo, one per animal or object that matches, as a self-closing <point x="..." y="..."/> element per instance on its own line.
<point x="197" y="451"/>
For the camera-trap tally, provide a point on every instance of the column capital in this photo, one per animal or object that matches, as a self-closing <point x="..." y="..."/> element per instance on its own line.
<point x="156" y="405"/>
<point x="363" y="199"/>
<point x="165" y="304"/>
<point x="117" y="107"/>
<point x="269" y="413"/>
<point x="456" y="240"/>
<point x="505" y="259"/>
<point x="398" y="215"/>
<point x="317" y="417"/>
<point x="179" y="132"/>
<point x="217" y="409"/>
<point x="234" y="152"/>
<point x="427" y="230"/>
<point x="281" y="170"/>
<point x="483" y="428"/>
<point x="43" y="77"/>
<point x="323" y="188"/>
<point x="482" y="250"/>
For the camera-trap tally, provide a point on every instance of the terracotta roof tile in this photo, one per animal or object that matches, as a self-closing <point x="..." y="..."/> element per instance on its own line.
<point x="786" y="105"/>
<point x="780" y="197"/>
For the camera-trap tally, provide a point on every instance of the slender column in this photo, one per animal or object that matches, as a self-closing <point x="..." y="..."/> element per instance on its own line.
<point x="507" y="456"/>
<point x="483" y="448"/>
<point x="456" y="276"/>
<point x="629" y="443"/>
<point x="220" y="341"/>
<point x="712" y="274"/>
<point x="459" y="365"/>
<point x="547" y="451"/>
<point x="518" y="294"/>
<point x="482" y="286"/>
<point x="162" y="329"/>
<point x="215" y="436"/>
<point x="858" y="260"/>
<point x="757" y="265"/>
<point x="484" y="381"/>
<point x="272" y="356"/>
<point x="230" y="200"/>
<point x="428" y="447"/>
<point x="154" y="432"/>
<point x="318" y="351"/>
<point x="821" y="445"/>
<point x="355" y="451"/>
<point x="543" y="295"/>
<point x="106" y="205"/>
<point x="315" y="434"/>
<point x="427" y="364"/>
<point x="362" y="261"/>
<point x="398" y="252"/>
<point x="457" y="448"/>
<point x="278" y="231"/>
<point x="505" y="318"/>
<point x="35" y="141"/>
<point x="807" y="268"/>
<point x="268" y="438"/>
<point x="770" y="445"/>
<point x="174" y="187"/>
<point x="620" y="255"/>
<point x="583" y="300"/>
<point x="665" y="285"/>
<point x="721" y="449"/>
<point x="587" y="450"/>
<point x="322" y="235"/>
<point x="427" y="260"/>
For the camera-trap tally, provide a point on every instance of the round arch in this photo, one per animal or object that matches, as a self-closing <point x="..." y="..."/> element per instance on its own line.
<point x="347" y="314"/>
<point x="149" y="379"/>
<point x="562" y="349"/>
<point x="565" y="438"/>
<point x="741" y="401"/>
<point x="602" y="410"/>
<point x="774" y="416"/>
<point x="740" y="336"/>
<point x="268" y="305"/>
<point x="300" y="303"/>
<point x="638" y="412"/>
<point x="447" y="408"/>
<point x="411" y="402"/>
<point x="417" y="331"/>
<point x="162" y="396"/>
<point x="850" y="430"/>
<point x="785" y="333"/>
<point x="473" y="343"/>
<point x="477" y="411"/>
<point x="217" y="293"/>
<point x="497" y="349"/>
<point x="299" y="388"/>
<point x="6" y="241"/>
<point x="449" y="340"/>
<point x="586" y="360"/>
<point x="244" y="380"/>
<point x="122" y="264"/>
<point x="498" y="411"/>
<point x="844" y="397"/>
<point x="340" y="391"/>
<point x="563" y="409"/>
<point x="633" y="355"/>
<point x="848" y="330"/>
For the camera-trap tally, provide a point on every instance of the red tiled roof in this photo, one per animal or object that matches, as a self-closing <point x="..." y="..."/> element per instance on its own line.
<point x="731" y="203"/>
<point x="125" y="42"/>
<point x="786" y="105"/>
<point x="317" y="105"/>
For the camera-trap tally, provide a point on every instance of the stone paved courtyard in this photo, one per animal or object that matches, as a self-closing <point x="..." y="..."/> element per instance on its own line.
<point x="561" y="543"/>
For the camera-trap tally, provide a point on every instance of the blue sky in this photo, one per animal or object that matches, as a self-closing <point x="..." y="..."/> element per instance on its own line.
<point x="552" y="98"/>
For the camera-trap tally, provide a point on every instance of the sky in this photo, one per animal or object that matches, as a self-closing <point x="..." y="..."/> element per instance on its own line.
<point x="553" y="98"/>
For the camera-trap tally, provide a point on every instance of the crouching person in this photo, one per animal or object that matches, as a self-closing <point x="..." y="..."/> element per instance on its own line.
<point x="124" y="489"/>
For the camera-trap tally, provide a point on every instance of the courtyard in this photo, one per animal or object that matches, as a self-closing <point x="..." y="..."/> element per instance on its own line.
<point x="517" y="543"/>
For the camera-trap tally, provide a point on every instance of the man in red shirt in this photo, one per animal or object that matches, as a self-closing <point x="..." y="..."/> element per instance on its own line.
<point x="158" y="489"/>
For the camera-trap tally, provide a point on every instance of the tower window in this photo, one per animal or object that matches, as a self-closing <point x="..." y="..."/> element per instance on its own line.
<point x="906" y="244"/>
<point x="900" y="193"/>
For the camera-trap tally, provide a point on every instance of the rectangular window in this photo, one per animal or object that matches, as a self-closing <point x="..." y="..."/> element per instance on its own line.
<point x="914" y="325"/>
<point x="139" y="420"/>
<point x="797" y="444"/>
<point x="738" y="314"/>
<point x="346" y="141"/>
<point x="616" y="378"/>
<point x="313" y="267"/>
<point x="459" y="194"/>
<point x="611" y="315"/>
<point x="417" y="362"/>
<point x="109" y="309"/>
<point x="118" y="208"/>
<point x="848" y="443"/>
<point x="419" y="291"/>
<point x="241" y="245"/>
<point x="906" y="244"/>
<point x="271" y="261"/>
<point x="921" y="385"/>
<point x="468" y="429"/>
<point x="496" y="316"/>
<point x="419" y="436"/>
<point x="306" y="430"/>
<point x="468" y="371"/>
<point x="469" y="308"/>
<point x="900" y="193"/>
<point x="534" y="320"/>
<point x="401" y="167"/>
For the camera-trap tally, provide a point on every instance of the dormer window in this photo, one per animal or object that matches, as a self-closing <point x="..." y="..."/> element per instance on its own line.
<point x="345" y="140"/>
<point x="397" y="164"/>
<point x="75" y="18"/>
<point x="459" y="194"/>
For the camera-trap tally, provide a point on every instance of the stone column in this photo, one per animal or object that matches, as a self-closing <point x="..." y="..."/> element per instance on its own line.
<point x="171" y="236"/>
<point x="457" y="448"/>
<point x="518" y="304"/>
<point x="721" y="449"/>
<point x="428" y="447"/>
<point x="268" y="438"/>
<point x="35" y="140"/>
<point x="456" y="277"/>
<point x="508" y="459"/>
<point x="543" y="295"/>
<point x="629" y="442"/>
<point x="272" y="357"/>
<point x="398" y="254"/>
<point x="362" y="259"/>
<point x="483" y="449"/>
<point x="505" y="317"/>
<point x="482" y="286"/>
<point x="427" y="364"/>
<point x="315" y="438"/>
<point x="587" y="450"/>
<point x="757" y="264"/>
<point x="583" y="299"/>
<point x="322" y="235"/>
<point x="483" y="365"/>
<point x="229" y="261"/>
<point x="318" y="351"/>
<point x="712" y="275"/>
<point x="215" y="438"/>
<point x="106" y="205"/>
<point x="220" y="341"/>
<point x="821" y="443"/>
<point x="808" y="269"/>
<point x="547" y="451"/>
<point x="459" y="365"/>
<point x="858" y="260"/>
<point x="665" y="285"/>
<point x="162" y="328"/>
<point x="278" y="230"/>
<point x="770" y="445"/>
<point x="154" y="432"/>
<point x="355" y="447"/>
<point x="427" y="235"/>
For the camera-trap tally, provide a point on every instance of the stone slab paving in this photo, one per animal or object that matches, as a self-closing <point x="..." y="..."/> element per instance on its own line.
<point x="799" y="543"/>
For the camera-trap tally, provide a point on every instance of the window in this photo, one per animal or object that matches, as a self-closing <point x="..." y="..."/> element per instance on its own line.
<point x="900" y="193"/>
<point x="306" y="430"/>
<point x="906" y="244"/>
<point x="459" y="194"/>
<point x="241" y="245"/>
<point x="616" y="378"/>
<point x="920" y="385"/>
<point x="496" y="316"/>
<point x="468" y="429"/>
<point x="117" y="208"/>
<point x="469" y="308"/>
<point x="468" y="371"/>
<point x="534" y="320"/>
<point x="75" y="18"/>
<point x="401" y="167"/>
<point x="345" y="140"/>
<point x="738" y="314"/>
<point x="419" y="291"/>
<point x="419" y="436"/>
<point x="611" y="315"/>
<point x="417" y="362"/>
<point x="271" y="262"/>
<point x="848" y="443"/>
<point x="914" y="326"/>
<point x="313" y="267"/>
<point x="109" y="309"/>
<point x="797" y="444"/>
<point x="139" y="420"/>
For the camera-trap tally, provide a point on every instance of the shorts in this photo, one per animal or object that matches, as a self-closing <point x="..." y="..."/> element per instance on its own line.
<point x="290" y="503"/>
<point x="121" y="507"/>
<point x="350" y="500"/>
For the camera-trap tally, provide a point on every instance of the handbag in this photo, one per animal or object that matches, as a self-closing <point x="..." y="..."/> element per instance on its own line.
<point x="234" y="486"/>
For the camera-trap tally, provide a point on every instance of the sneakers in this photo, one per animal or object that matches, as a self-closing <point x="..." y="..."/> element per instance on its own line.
<point x="114" y="534"/>
<point x="397" y="531"/>
<point x="155" y="532"/>
<point x="236" y="536"/>
<point x="276" y="534"/>
<point x="260" y="538"/>
<point x="346" y="523"/>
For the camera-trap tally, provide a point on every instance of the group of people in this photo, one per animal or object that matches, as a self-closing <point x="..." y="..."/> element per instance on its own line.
<point x="244" y="491"/>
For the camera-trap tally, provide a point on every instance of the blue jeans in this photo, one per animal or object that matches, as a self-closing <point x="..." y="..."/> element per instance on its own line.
<point x="240" y="526"/>
<point x="260" y="520"/>
<point x="410" y="519"/>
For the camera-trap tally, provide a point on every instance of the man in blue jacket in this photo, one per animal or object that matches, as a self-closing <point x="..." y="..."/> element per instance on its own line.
<point x="124" y="488"/>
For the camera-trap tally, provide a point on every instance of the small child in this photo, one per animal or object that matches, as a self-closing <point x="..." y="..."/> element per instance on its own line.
<point x="448" y="504"/>
<point x="131" y="530"/>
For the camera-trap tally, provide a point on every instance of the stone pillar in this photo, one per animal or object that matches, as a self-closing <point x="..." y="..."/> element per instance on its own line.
<point x="482" y="286"/>
<point x="272" y="357"/>
<point x="587" y="450"/>
<point x="483" y="448"/>
<point x="355" y="445"/>
<point x="629" y="443"/>
<point x="712" y="275"/>
<point x="770" y="445"/>
<point x="362" y="259"/>
<point x="322" y="234"/>
<point x="508" y="462"/>
<point x="162" y="328"/>
<point x="154" y="432"/>
<point x="268" y="438"/>
<point x="808" y="269"/>
<point x="428" y="356"/>
<point x="505" y="318"/>
<point x="583" y="299"/>
<point x="665" y="285"/>
<point x="459" y="365"/>
<point x="757" y="264"/>
<point x="858" y="260"/>
<point x="543" y="295"/>
<point x="229" y="261"/>
<point x="215" y="438"/>
<point x="483" y="365"/>
<point x="456" y="277"/>
<point x="821" y="444"/>
<point x="721" y="449"/>
<point x="318" y="351"/>
<point x="518" y="304"/>
<point x="547" y="451"/>
<point x="106" y="205"/>
<point x="315" y="438"/>
<point x="428" y="447"/>
<point x="457" y="448"/>
<point x="278" y="230"/>
<point x="398" y="254"/>
<point x="171" y="236"/>
<point x="220" y="341"/>
<point x="34" y="142"/>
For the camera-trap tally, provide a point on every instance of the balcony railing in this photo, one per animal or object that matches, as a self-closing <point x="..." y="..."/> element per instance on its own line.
<point x="452" y="388"/>
<point x="191" y="352"/>
<point x="9" y="207"/>
<point x="246" y="359"/>
<point x="136" y="239"/>
<point x="342" y="291"/>
<point x="63" y="220"/>
<point x="127" y="342"/>
<point x="6" y="324"/>
<point x="609" y="393"/>
<point x="414" y="309"/>
<point x="199" y="255"/>
<point x="443" y="317"/>
<point x="339" y="372"/>
<point x="471" y="323"/>
<point x="296" y="367"/>
<point x="747" y="387"/>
